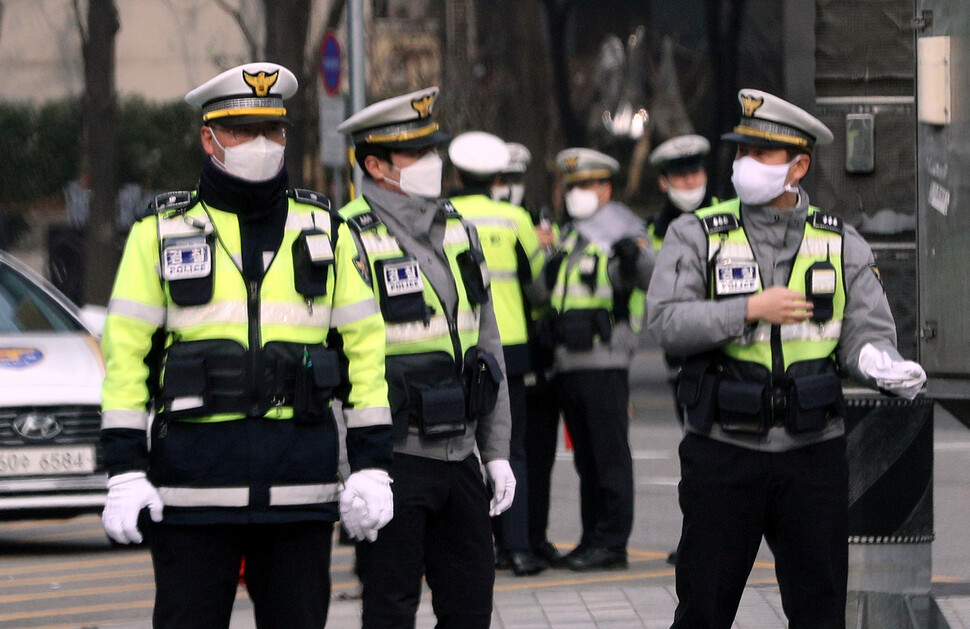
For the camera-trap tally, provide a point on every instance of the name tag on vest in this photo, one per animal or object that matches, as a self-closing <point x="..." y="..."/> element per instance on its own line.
<point x="186" y="258"/>
<point x="736" y="277"/>
<point x="402" y="278"/>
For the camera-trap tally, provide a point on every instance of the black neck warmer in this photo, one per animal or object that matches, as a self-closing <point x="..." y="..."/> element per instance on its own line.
<point x="260" y="205"/>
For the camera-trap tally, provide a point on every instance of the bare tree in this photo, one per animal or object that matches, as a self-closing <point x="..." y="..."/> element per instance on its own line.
<point x="100" y="161"/>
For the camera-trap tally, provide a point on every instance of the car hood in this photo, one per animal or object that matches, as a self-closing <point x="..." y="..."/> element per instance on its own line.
<point x="48" y="369"/>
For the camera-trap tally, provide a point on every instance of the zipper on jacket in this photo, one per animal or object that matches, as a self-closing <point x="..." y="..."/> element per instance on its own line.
<point x="252" y="290"/>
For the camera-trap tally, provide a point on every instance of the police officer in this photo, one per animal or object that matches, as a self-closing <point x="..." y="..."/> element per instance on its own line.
<point x="514" y="262"/>
<point x="236" y="315"/>
<point x="682" y="178"/>
<point x="597" y="282"/>
<point x="768" y="300"/>
<point x="445" y="373"/>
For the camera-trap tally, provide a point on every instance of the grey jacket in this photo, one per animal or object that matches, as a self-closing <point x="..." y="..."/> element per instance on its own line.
<point x="419" y="226"/>
<point x="686" y="323"/>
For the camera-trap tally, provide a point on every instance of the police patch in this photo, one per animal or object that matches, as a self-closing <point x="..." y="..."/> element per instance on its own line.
<point x="736" y="277"/>
<point x="402" y="278"/>
<point x="718" y="223"/>
<point x="186" y="258"/>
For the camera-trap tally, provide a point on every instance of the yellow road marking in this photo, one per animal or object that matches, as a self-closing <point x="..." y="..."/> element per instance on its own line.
<point x="68" y="578"/>
<point x="139" y="557"/>
<point x="98" y="591"/>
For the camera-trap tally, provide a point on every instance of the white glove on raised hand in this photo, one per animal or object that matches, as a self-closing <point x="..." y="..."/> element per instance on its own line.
<point x="503" y="486"/>
<point x="902" y="377"/>
<point x="128" y="494"/>
<point x="366" y="503"/>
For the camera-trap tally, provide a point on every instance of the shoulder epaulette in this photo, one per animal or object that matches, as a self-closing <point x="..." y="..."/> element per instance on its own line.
<point x="363" y="222"/>
<point x="829" y="222"/>
<point x="449" y="210"/>
<point x="179" y="200"/>
<point x="719" y="223"/>
<point x="310" y="197"/>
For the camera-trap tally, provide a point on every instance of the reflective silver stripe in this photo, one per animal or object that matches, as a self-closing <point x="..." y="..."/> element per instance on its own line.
<point x="504" y="275"/>
<point x="180" y="225"/>
<point x="296" y="221"/>
<point x="582" y="292"/>
<point x="204" y="497"/>
<point x="355" y="312"/>
<point x="294" y="315"/>
<point x="136" y="420"/>
<point x="302" y="494"/>
<point x="362" y="417"/>
<point x="812" y="331"/>
<point x="227" y="312"/>
<point x="496" y="221"/>
<point x="455" y="234"/>
<point x="760" y="334"/>
<point x="375" y="243"/>
<point x="152" y="315"/>
<point x="814" y="246"/>
<point x="729" y="250"/>
<point x="437" y="327"/>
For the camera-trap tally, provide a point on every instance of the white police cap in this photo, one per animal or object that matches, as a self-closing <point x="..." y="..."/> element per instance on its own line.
<point x="519" y="158"/>
<point x="680" y="154"/>
<point x="582" y="164"/>
<point x="401" y="122"/>
<point x="769" y="121"/>
<point x="246" y="94"/>
<point x="479" y="154"/>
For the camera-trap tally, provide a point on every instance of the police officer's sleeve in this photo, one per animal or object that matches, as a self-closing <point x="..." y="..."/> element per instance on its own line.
<point x="357" y="320"/>
<point x="867" y="317"/>
<point x="531" y="257"/>
<point x="679" y="316"/>
<point x="632" y="263"/>
<point x="131" y="344"/>
<point x="495" y="429"/>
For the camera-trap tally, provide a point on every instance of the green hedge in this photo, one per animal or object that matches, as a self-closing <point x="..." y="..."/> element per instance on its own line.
<point x="158" y="147"/>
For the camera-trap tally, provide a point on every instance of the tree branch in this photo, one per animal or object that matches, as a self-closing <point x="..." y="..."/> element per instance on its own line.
<point x="237" y="16"/>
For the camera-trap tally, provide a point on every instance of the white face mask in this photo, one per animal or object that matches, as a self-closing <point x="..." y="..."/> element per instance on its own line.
<point x="420" y="179"/>
<point x="757" y="183"/>
<point x="582" y="203"/>
<point x="517" y="193"/>
<point x="687" y="200"/>
<point x="501" y="192"/>
<point x="257" y="160"/>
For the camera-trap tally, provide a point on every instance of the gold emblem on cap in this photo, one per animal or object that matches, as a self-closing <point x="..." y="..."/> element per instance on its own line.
<point x="423" y="105"/>
<point x="571" y="162"/>
<point x="750" y="104"/>
<point x="260" y="82"/>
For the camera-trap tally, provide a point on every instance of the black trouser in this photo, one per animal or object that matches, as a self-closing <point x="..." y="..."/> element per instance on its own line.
<point x="541" y="437"/>
<point x="731" y="497"/>
<point x="441" y="531"/>
<point x="595" y="406"/>
<point x="510" y="527"/>
<point x="197" y="573"/>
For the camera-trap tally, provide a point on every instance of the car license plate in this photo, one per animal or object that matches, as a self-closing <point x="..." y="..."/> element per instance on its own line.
<point x="46" y="461"/>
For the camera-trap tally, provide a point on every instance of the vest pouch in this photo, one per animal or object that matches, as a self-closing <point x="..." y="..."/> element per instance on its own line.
<point x="400" y="290"/>
<point x="740" y="407"/>
<point x="188" y="268"/>
<point x="576" y="329"/>
<point x="474" y="275"/>
<point x="546" y="333"/>
<point x="312" y="259"/>
<point x="204" y="378"/>
<point x="813" y="401"/>
<point x="397" y="395"/>
<point x="603" y="324"/>
<point x="696" y="390"/>
<point x="317" y="376"/>
<point x="483" y="378"/>
<point x="441" y="412"/>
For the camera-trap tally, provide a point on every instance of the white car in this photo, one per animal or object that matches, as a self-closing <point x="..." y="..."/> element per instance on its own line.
<point x="51" y="371"/>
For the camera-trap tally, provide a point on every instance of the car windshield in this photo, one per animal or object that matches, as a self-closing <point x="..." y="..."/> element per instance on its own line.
<point x="25" y="307"/>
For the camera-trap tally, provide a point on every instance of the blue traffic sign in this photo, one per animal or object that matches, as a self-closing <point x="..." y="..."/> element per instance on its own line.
<point x="330" y="63"/>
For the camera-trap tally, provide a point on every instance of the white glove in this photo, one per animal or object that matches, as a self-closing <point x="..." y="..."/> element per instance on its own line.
<point x="366" y="503"/>
<point x="902" y="377"/>
<point x="128" y="494"/>
<point x="503" y="486"/>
